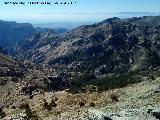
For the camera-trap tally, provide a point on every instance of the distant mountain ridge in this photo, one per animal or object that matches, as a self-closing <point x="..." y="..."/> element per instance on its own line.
<point x="12" y="32"/>
<point x="56" y="30"/>
<point x="111" y="46"/>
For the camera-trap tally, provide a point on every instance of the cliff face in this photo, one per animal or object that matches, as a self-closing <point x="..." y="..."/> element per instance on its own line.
<point x="12" y="32"/>
<point x="111" y="46"/>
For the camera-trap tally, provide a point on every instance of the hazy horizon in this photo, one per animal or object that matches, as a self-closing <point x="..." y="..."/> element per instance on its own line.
<point x="74" y="24"/>
<point x="99" y="17"/>
<point x="82" y="11"/>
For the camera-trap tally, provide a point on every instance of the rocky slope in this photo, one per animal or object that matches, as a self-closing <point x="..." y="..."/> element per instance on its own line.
<point x="139" y="101"/>
<point x="112" y="46"/>
<point x="18" y="79"/>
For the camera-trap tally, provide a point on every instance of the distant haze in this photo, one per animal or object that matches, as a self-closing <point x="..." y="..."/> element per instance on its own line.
<point x="67" y="25"/>
<point x="84" y="11"/>
<point x="74" y="24"/>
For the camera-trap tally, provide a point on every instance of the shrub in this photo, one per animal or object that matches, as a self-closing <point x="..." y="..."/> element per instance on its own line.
<point x="26" y="107"/>
<point x="53" y="104"/>
<point x="92" y="104"/>
<point x="31" y="115"/>
<point x="81" y="104"/>
<point x="57" y="112"/>
<point x="114" y="97"/>
<point x="46" y="106"/>
<point x="13" y="107"/>
<point x="50" y="105"/>
<point x="2" y="114"/>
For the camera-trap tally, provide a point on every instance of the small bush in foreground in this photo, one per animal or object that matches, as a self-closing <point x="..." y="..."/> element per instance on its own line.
<point x="114" y="97"/>
<point x="2" y="113"/>
<point x="92" y="104"/>
<point x="81" y="104"/>
<point x="49" y="106"/>
<point x="30" y="114"/>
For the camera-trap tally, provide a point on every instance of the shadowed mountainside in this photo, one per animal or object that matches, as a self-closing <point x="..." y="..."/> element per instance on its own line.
<point x="12" y="32"/>
<point x="111" y="46"/>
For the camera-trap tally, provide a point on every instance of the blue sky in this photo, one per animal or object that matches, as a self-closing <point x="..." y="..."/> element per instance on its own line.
<point x="83" y="10"/>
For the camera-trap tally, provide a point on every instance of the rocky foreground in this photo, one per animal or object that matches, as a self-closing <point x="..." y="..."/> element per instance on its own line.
<point x="140" y="101"/>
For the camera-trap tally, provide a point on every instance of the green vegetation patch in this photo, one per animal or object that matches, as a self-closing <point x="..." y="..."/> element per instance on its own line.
<point x="79" y="82"/>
